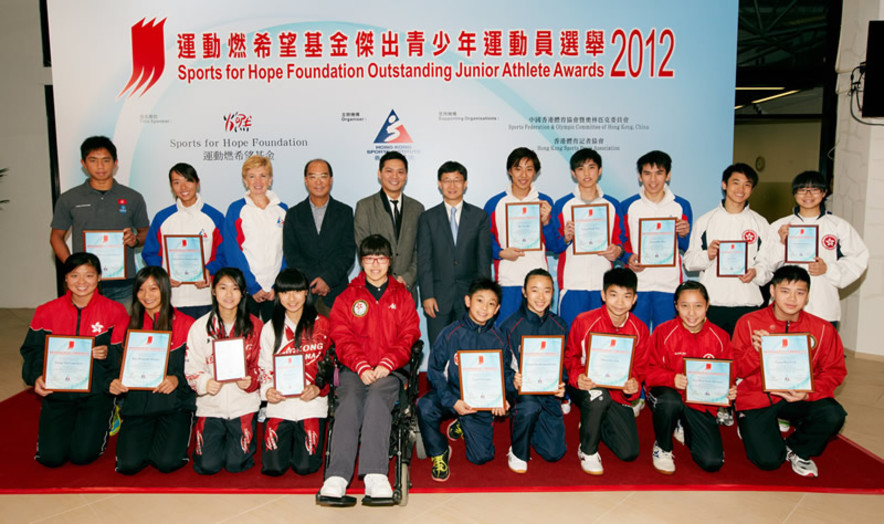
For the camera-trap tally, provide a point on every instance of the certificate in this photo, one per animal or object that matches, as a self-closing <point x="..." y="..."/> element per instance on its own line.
<point x="67" y="363"/>
<point x="108" y="246"/>
<point x="230" y="359"/>
<point x="733" y="258"/>
<point x="185" y="258"/>
<point x="541" y="364"/>
<point x="481" y="378"/>
<point x="785" y="362"/>
<point x="657" y="243"/>
<point x="592" y="228"/>
<point x="145" y="359"/>
<point x="802" y="245"/>
<point x="523" y="226"/>
<point x="709" y="381"/>
<point x="288" y="375"/>
<point x="609" y="359"/>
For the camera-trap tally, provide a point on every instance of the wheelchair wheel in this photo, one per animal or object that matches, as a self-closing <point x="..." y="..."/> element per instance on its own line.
<point x="418" y="443"/>
<point x="405" y="476"/>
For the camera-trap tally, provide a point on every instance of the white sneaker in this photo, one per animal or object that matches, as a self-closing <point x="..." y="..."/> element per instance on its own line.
<point x="678" y="434"/>
<point x="334" y="487"/>
<point x="805" y="468"/>
<point x="591" y="464"/>
<point x="637" y="406"/>
<point x="566" y="406"/>
<point x="515" y="464"/>
<point x="262" y="415"/>
<point x="784" y="425"/>
<point x="663" y="460"/>
<point x="377" y="486"/>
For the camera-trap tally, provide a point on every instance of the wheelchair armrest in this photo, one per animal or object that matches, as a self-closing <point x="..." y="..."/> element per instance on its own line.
<point x="325" y="369"/>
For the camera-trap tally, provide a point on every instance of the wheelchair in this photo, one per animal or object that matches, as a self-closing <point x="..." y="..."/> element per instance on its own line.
<point x="403" y="435"/>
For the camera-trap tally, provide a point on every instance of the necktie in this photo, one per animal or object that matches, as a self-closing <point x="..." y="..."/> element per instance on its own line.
<point x="453" y="222"/>
<point x="397" y="216"/>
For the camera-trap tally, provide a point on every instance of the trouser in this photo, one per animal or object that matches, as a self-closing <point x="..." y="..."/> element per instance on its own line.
<point x="510" y="301"/>
<point x="701" y="433"/>
<point x="224" y="443"/>
<point x="436" y="325"/>
<point x="654" y="307"/>
<point x="73" y="429"/>
<point x="195" y="311"/>
<point x="815" y="422"/>
<point x="572" y="302"/>
<point x="603" y="419"/>
<point x="262" y="310"/>
<point x="362" y="423"/>
<point x="478" y="429"/>
<point x="537" y="421"/>
<point x="292" y="444"/>
<point x="119" y="291"/>
<point x="157" y="440"/>
<point x="726" y="317"/>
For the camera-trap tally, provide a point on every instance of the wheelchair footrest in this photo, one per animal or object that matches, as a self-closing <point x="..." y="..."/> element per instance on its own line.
<point x="346" y="501"/>
<point x="371" y="501"/>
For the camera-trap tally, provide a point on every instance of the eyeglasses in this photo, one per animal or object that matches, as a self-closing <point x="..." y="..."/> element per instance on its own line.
<point x="813" y="191"/>
<point x="370" y="261"/>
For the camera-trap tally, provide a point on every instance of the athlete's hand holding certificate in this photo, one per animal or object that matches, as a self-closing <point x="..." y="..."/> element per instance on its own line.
<point x="609" y="359"/>
<point x="541" y="364"/>
<point x="67" y="364"/>
<point x="786" y="362"/>
<point x="523" y="227"/>
<point x="145" y="359"/>
<point x="733" y="258"/>
<point x="657" y="242"/>
<point x="709" y="381"/>
<point x="802" y="244"/>
<point x="110" y="249"/>
<point x="288" y="375"/>
<point x="591" y="229"/>
<point x="481" y="379"/>
<point x="184" y="258"/>
<point x="230" y="359"/>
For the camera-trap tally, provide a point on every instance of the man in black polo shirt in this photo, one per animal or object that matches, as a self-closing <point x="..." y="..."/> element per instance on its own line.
<point x="101" y="204"/>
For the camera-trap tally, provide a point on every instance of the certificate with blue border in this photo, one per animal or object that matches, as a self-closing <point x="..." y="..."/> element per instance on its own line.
<point x="786" y="362"/>
<point x="540" y="363"/>
<point x="108" y="246"/>
<point x="288" y="375"/>
<point x="185" y="258"/>
<point x="481" y="378"/>
<point x="609" y="359"/>
<point x="145" y="359"/>
<point x="802" y="243"/>
<point x="709" y="381"/>
<point x="733" y="258"/>
<point x="658" y="245"/>
<point x="592" y="229"/>
<point x="67" y="363"/>
<point x="523" y="227"/>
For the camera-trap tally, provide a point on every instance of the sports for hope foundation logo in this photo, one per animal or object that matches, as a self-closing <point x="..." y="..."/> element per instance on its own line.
<point x="148" y="56"/>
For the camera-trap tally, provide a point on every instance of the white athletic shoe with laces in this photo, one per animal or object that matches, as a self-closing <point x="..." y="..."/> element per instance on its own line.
<point x="591" y="464"/>
<point x="377" y="486"/>
<point x="678" y="434"/>
<point x="663" y="460"/>
<point x="805" y="468"/>
<point x="515" y="464"/>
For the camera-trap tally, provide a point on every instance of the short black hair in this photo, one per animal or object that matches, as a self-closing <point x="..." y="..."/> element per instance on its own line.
<point x="654" y="158"/>
<point x="94" y="143"/>
<point x="79" y="259"/>
<point x="484" y="283"/>
<point x="790" y="274"/>
<point x="185" y="170"/>
<point x="452" y="167"/>
<point x="740" y="167"/>
<point x="812" y="179"/>
<point x="516" y="156"/>
<point x="331" y="173"/>
<point x="582" y="156"/>
<point x="392" y="155"/>
<point x="375" y="245"/>
<point x="690" y="285"/>
<point x="620" y="276"/>
<point x="536" y="272"/>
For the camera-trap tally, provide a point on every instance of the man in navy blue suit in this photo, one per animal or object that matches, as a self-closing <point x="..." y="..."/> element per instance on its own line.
<point x="453" y="249"/>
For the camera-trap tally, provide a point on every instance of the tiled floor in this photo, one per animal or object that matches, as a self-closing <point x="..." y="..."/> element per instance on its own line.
<point x="862" y="395"/>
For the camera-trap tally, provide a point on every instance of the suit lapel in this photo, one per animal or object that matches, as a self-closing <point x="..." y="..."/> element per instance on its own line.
<point x="385" y="221"/>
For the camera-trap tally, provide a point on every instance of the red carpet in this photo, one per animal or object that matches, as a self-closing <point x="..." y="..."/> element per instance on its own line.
<point x="844" y="468"/>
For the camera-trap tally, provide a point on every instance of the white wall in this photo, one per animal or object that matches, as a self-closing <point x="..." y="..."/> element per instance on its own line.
<point x="859" y="185"/>
<point x="27" y="273"/>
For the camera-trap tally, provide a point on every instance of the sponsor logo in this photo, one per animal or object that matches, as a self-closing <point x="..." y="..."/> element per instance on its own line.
<point x="393" y="131"/>
<point x="830" y="242"/>
<point x="237" y="122"/>
<point x="148" y="56"/>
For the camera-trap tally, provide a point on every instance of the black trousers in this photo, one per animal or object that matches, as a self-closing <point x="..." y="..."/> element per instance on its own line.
<point x="223" y="443"/>
<point x="726" y="317"/>
<point x="603" y="419"/>
<point x="73" y="430"/>
<point x="156" y="440"/>
<point x="292" y="444"/>
<point x="701" y="434"/>
<point x="815" y="423"/>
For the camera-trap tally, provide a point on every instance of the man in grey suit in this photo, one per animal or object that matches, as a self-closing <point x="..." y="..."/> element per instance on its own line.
<point x="394" y="216"/>
<point x="453" y="249"/>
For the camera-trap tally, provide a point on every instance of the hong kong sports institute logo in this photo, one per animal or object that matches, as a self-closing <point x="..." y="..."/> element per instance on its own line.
<point x="148" y="56"/>
<point x="392" y="131"/>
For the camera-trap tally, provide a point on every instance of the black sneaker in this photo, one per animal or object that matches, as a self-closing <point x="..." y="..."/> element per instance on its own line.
<point x="454" y="430"/>
<point x="440" y="469"/>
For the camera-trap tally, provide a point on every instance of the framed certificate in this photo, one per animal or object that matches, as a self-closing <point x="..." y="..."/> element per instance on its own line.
<point x="481" y="378"/>
<point x="145" y="359"/>
<point x="523" y="226"/>
<point x="230" y="359"/>
<point x="733" y="258"/>
<point x="609" y="359"/>
<point x="658" y="246"/>
<point x="67" y="363"/>
<point x="185" y="258"/>
<point x="108" y="246"/>
<point x="802" y="244"/>
<point x="592" y="229"/>
<point x="288" y="375"/>
<point x="709" y="381"/>
<point x="541" y="364"/>
<point x="786" y="362"/>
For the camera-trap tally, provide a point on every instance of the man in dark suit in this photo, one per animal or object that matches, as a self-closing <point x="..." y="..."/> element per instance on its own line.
<point x="394" y="216"/>
<point x="453" y="249"/>
<point x="317" y="237"/>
